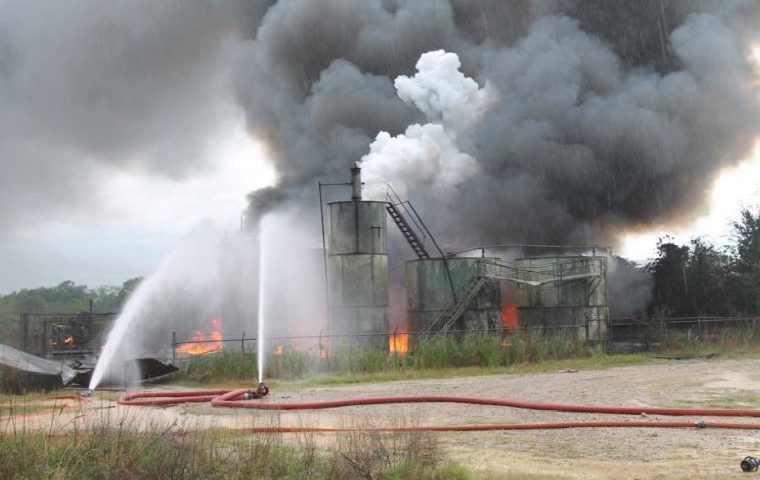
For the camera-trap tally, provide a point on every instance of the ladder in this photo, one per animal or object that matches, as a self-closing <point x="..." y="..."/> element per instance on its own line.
<point x="411" y="237"/>
<point x="456" y="307"/>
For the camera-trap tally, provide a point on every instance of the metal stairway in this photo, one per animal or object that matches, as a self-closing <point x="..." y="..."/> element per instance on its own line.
<point x="456" y="308"/>
<point x="411" y="237"/>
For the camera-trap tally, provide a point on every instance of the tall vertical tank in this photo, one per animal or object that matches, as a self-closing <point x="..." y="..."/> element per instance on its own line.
<point x="429" y="292"/>
<point x="570" y="299"/>
<point x="358" y="267"/>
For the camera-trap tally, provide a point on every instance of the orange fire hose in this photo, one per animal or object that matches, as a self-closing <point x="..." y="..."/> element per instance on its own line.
<point x="513" y="426"/>
<point x="234" y="399"/>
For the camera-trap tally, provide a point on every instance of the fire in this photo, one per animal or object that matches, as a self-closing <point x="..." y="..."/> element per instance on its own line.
<point x="68" y="340"/>
<point x="399" y="342"/>
<point x="279" y="350"/>
<point x="509" y="317"/>
<point x="203" y="342"/>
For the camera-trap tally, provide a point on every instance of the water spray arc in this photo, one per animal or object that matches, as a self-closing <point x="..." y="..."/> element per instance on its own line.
<point x="262" y="309"/>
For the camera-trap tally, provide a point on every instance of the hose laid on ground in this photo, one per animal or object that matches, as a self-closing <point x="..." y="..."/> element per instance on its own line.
<point x="240" y="398"/>
<point x="513" y="426"/>
<point x="232" y="399"/>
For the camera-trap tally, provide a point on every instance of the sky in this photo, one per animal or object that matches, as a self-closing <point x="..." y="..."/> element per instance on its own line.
<point x="140" y="218"/>
<point x="735" y="189"/>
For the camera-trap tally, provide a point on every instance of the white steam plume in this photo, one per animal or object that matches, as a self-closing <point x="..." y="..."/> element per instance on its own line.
<point x="429" y="154"/>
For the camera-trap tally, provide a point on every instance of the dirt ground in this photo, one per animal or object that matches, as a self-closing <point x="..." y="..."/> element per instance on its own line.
<point x="577" y="453"/>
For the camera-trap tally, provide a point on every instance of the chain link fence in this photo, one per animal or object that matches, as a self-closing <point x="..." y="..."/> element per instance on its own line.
<point x="647" y="332"/>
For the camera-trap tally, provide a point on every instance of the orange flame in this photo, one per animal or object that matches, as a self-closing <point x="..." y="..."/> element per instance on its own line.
<point x="279" y="350"/>
<point x="205" y="343"/>
<point x="509" y="317"/>
<point x="399" y="342"/>
<point x="68" y="340"/>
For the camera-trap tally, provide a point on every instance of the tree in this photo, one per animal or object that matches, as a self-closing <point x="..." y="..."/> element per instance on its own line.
<point x="691" y="280"/>
<point x="127" y="288"/>
<point x="669" y="273"/>
<point x="706" y="274"/>
<point x="747" y="261"/>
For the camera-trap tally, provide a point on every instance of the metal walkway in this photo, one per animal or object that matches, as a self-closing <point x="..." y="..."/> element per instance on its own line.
<point x="406" y="230"/>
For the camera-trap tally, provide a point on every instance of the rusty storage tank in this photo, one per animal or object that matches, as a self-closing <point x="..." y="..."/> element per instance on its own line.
<point x="358" y="267"/>
<point x="429" y="293"/>
<point x="569" y="298"/>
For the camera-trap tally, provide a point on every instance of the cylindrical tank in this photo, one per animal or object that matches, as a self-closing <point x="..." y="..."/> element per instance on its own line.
<point x="429" y="291"/>
<point x="358" y="270"/>
<point x="571" y="299"/>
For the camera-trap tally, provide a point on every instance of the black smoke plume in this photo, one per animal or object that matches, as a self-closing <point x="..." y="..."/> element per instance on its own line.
<point x="611" y="115"/>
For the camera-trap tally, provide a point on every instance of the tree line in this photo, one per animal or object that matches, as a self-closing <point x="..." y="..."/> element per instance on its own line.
<point x="700" y="278"/>
<point x="67" y="297"/>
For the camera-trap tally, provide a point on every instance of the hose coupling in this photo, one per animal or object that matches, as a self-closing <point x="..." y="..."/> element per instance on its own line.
<point x="260" y="392"/>
<point x="750" y="464"/>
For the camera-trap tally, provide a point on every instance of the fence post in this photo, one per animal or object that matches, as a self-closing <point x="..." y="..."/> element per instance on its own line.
<point x="174" y="347"/>
<point x="242" y="356"/>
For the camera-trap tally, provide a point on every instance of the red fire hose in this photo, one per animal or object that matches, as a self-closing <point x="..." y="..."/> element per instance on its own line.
<point x="242" y="398"/>
<point x="514" y="426"/>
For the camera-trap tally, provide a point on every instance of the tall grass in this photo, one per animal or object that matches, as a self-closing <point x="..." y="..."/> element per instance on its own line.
<point x="477" y="350"/>
<point x="471" y="350"/>
<point x="105" y="452"/>
<point x="699" y="338"/>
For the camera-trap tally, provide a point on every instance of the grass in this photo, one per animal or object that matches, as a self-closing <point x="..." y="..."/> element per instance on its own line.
<point x="441" y="357"/>
<point x="472" y="355"/>
<point x="121" y="452"/>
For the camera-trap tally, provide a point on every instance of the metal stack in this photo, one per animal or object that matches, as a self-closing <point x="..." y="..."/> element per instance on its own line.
<point x="358" y="267"/>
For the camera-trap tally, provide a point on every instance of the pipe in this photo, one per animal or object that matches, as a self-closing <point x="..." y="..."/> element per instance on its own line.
<point x="356" y="183"/>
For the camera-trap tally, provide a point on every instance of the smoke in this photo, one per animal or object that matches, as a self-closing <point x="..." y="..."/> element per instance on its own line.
<point x="601" y="116"/>
<point x="428" y="154"/>
<point x="604" y="115"/>
<point x="88" y="86"/>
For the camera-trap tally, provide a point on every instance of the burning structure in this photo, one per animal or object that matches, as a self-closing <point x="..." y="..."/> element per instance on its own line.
<point x="449" y="293"/>
<point x="565" y="294"/>
<point x="63" y="335"/>
<point x="358" y="266"/>
<point x="452" y="294"/>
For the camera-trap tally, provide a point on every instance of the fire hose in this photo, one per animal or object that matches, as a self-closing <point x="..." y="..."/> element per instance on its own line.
<point x="243" y="398"/>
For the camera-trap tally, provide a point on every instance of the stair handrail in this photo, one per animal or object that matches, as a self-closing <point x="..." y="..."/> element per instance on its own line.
<point x="390" y="194"/>
<point x="452" y="306"/>
<point x="392" y="197"/>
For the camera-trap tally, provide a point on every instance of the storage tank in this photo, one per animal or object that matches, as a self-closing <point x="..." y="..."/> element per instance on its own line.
<point x="570" y="299"/>
<point x="358" y="267"/>
<point x="429" y="292"/>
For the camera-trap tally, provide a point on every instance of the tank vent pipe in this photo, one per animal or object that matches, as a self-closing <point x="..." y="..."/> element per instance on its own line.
<point x="356" y="183"/>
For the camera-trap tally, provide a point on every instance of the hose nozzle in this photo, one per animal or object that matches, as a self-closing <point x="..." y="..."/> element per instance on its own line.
<point x="750" y="464"/>
<point x="261" y="391"/>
